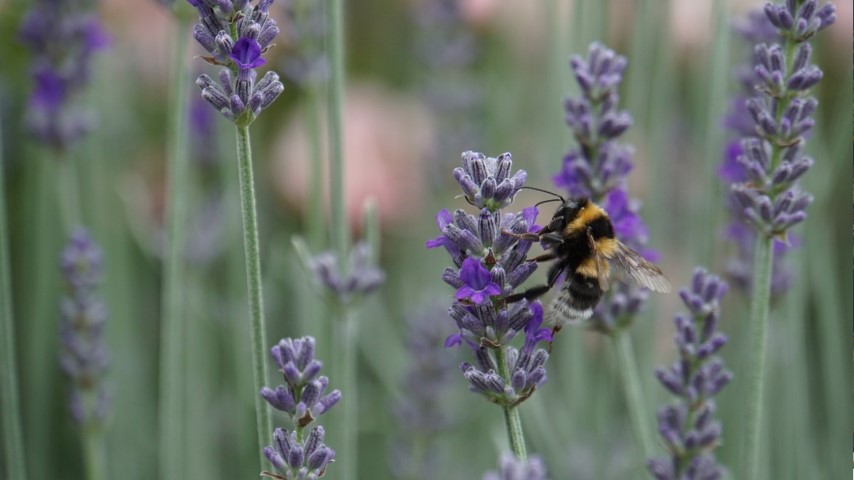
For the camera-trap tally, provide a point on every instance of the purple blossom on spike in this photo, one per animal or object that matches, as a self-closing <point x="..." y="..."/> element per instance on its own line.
<point x="304" y="30"/>
<point x="239" y="98"/>
<point x="421" y="414"/>
<point x="477" y="283"/>
<point x="303" y="397"/>
<point x="293" y="459"/>
<point x="446" y="47"/>
<point x="512" y="468"/>
<point x="63" y="39"/>
<point x="83" y="355"/>
<point x="688" y="428"/>
<point x="362" y="277"/>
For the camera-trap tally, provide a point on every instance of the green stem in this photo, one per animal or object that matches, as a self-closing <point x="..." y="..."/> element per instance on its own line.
<point x="95" y="455"/>
<point x="627" y="368"/>
<point x="346" y="373"/>
<point x="335" y="20"/>
<point x="512" y="420"/>
<point x="13" y="447"/>
<point x="253" y="279"/>
<point x="173" y="435"/>
<point x="69" y="192"/>
<point x="759" y="306"/>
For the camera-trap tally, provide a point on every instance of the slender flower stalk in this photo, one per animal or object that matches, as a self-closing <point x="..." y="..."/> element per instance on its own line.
<point x="598" y="167"/>
<point x="10" y="415"/>
<point x="173" y="435"/>
<point x="488" y="266"/>
<point x="770" y="197"/>
<point x="83" y="357"/>
<point x="688" y="427"/>
<point x="236" y="35"/>
<point x="253" y="271"/>
<point x="303" y="399"/>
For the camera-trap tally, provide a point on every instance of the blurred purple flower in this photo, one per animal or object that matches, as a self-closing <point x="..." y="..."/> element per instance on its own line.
<point x="598" y="166"/>
<point x="512" y="468"/>
<point x="83" y="356"/>
<point x="62" y="38"/>
<point x="533" y="333"/>
<point x="688" y="428"/>
<point x="772" y="116"/>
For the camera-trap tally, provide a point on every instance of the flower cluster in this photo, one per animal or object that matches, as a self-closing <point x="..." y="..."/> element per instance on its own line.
<point x="302" y="399"/>
<point x="361" y="277"/>
<point x="513" y="468"/>
<point x="760" y="28"/>
<point x="489" y="264"/>
<point x="63" y="40"/>
<point x="781" y="109"/>
<point x="304" y="29"/>
<point x="447" y="49"/>
<point x="420" y="415"/>
<point x="597" y="167"/>
<point x="688" y="428"/>
<point x="299" y="460"/>
<point x="83" y="355"/>
<point x="237" y="95"/>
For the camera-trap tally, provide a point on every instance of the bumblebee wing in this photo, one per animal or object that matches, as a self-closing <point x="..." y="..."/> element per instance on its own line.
<point x="599" y="261"/>
<point x="642" y="271"/>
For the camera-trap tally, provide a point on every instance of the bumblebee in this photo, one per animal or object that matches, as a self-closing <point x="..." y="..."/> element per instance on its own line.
<point x="580" y="240"/>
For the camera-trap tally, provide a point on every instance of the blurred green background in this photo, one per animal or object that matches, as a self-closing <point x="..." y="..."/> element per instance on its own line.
<point x="399" y="152"/>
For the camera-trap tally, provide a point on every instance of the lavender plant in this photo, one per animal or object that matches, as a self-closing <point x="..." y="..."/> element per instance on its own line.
<point x="63" y="38"/>
<point x="237" y="34"/>
<point x="304" y="29"/>
<point x="513" y="468"/>
<point x="10" y="411"/>
<point x="773" y="160"/>
<point x="83" y="355"/>
<point x="755" y="28"/>
<point x="597" y="167"/>
<point x="489" y="266"/>
<point x="420" y="414"/>
<point x="447" y="50"/>
<point x="302" y="398"/>
<point x="688" y="427"/>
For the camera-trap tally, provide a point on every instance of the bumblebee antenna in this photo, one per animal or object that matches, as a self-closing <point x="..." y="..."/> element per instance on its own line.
<point x="545" y="191"/>
<point x="547" y="201"/>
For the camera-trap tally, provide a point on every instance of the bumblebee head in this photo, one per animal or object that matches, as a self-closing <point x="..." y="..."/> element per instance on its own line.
<point x="580" y="215"/>
<point x="571" y="208"/>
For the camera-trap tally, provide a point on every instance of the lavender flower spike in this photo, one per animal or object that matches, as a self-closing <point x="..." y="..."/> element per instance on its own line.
<point x="488" y="265"/>
<point x="63" y="39"/>
<point x="306" y="460"/>
<point x="688" y="428"/>
<point x="361" y="278"/>
<point x="302" y="399"/>
<point x="303" y="396"/>
<point x="237" y="94"/>
<point x="513" y="468"/>
<point x="83" y="355"/>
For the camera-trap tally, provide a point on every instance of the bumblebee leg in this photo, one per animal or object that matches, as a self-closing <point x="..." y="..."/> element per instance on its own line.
<point x="533" y="237"/>
<point x="529" y="294"/>
<point x="554" y="272"/>
<point x="550" y="255"/>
